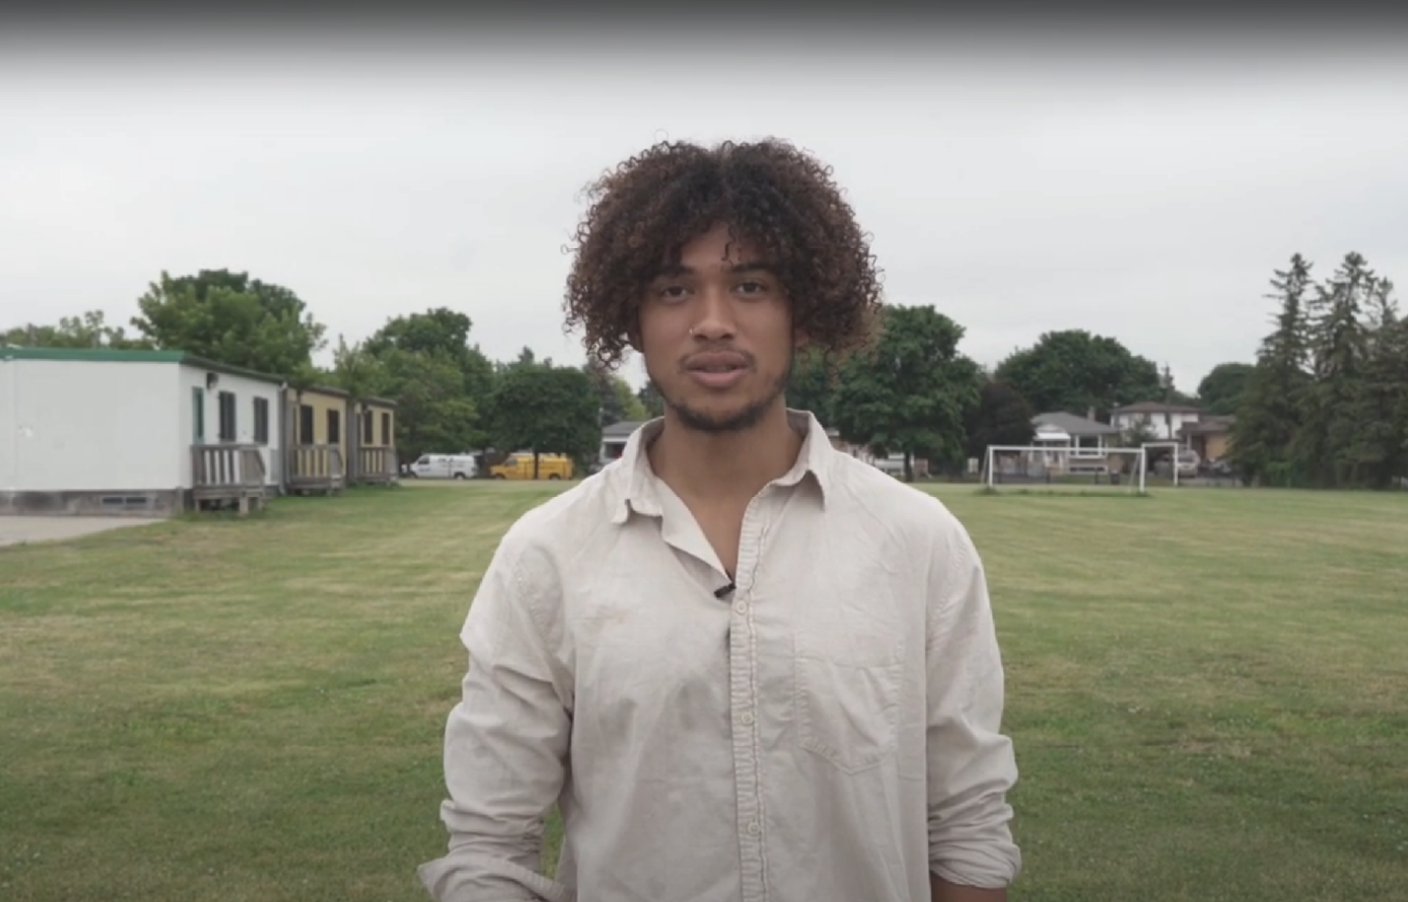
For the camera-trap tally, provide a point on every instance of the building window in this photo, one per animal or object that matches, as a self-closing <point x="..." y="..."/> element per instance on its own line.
<point x="305" y="424"/>
<point x="227" y="416"/>
<point x="261" y="421"/>
<point x="198" y="416"/>
<point x="334" y="427"/>
<point x="386" y="429"/>
<point x="367" y="424"/>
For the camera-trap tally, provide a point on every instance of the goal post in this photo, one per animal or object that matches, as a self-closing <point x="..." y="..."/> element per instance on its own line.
<point x="1174" y="448"/>
<point x="1116" y="468"/>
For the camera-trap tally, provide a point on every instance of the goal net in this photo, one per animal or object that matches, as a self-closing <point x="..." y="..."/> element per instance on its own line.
<point x="1113" y="469"/>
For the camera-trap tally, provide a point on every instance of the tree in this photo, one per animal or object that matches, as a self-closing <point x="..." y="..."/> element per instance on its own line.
<point x="89" y="330"/>
<point x="1001" y="417"/>
<point x="1379" y="447"/>
<point x="1075" y="371"/>
<point x="358" y="371"/>
<point x="449" y="415"/>
<point x="1327" y="403"/>
<point x="617" y="399"/>
<point x="1324" y="444"/>
<point x="1138" y="433"/>
<point x="441" y="332"/>
<point x="438" y="329"/>
<point x="912" y="391"/>
<point x="651" y="399"/>
<point x="1221" y="389"/>
<point x="231" y="318"/>
<point x="1166" y="394"/>
<point x="434" y="412"/>
<point x="545" y="409"/>
<point x="812" y="385"/>
<point x="1269" y="410"/>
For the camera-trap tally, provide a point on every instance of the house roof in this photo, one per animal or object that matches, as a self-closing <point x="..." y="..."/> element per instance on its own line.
<point x="326" y="390"/>
<point x="1209" y="426"/>
<point x="621" y="428"/>
<point x="1073" y="425"/>
<point x="113" y="355"/>
<point x="1156" y="407"/>
<point x="182" y="358"/>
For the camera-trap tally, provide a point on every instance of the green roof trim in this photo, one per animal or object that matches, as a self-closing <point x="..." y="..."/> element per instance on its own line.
<point x="114" y="355"/>
<point x="109" y="355"/>
<point x="384" y="402"/>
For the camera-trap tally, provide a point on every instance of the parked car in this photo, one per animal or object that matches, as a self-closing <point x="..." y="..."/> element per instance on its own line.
<point x="444" y="466"/>
<point x="1219" y="468"/>
<point x="1188" y="463"/>
<point x="519" y="465"/>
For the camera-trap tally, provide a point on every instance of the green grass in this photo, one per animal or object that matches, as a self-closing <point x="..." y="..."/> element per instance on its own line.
<point x="1208" y="690"/>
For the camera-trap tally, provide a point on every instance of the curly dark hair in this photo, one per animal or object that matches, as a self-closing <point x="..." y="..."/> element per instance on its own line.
<point x="772" y="195"/>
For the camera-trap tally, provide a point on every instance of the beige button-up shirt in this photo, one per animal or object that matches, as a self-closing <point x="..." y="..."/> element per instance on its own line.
<point x="826" y="731"/>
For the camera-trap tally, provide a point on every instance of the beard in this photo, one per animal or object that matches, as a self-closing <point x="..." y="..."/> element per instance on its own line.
<point x="739" y="420"/>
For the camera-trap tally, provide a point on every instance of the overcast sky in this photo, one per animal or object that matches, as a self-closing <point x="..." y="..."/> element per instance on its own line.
<point x="1141" y="192"/>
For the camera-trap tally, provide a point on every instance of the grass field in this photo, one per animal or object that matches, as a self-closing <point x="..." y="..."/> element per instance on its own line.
<point x="1208" y="690"/>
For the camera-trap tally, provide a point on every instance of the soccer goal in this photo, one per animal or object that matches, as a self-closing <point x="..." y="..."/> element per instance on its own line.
<point x="1174" y="449"/>
<point x="1117" y="469"/>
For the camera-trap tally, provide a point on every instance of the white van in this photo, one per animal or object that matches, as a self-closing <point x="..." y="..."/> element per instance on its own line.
<point x="445" y="466"/>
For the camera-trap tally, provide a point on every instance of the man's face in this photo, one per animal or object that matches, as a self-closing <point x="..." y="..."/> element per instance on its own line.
<point x="716" y="334"/>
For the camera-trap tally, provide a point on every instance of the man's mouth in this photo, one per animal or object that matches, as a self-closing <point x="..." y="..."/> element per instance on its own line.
<point x="716" y="362"/>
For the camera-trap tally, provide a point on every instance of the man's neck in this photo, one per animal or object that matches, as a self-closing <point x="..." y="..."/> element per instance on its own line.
<point x="728" y="467"/>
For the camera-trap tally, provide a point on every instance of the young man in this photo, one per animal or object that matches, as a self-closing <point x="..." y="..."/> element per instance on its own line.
<point x="745" y="665"/>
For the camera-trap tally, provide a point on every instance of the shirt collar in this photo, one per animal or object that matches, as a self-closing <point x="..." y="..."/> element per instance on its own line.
<point x="636" y="481"/>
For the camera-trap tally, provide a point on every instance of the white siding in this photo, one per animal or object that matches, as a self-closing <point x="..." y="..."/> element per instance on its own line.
<point x="9" y="429"/>
<point x="1156" y="422"/>
<point x="245" y="391"/>
<point x="89" y="426"/>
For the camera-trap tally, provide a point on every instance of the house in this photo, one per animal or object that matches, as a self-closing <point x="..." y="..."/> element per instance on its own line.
<point x="102" y="431"/>
<point x="614" y="437"/>
<point x="1068" y="431"/>
<point x="1210" y="437"/>
<point x="1062" y="444"/>
<point x="892" y="463"/>
<point x="1164" y="421"/>
<point x="336" y="439"/>
<point x="371" y="447"/>
<point x="317" y="428"/>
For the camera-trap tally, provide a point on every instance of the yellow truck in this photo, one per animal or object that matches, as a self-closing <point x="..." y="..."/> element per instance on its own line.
<point x="519" y="465"/>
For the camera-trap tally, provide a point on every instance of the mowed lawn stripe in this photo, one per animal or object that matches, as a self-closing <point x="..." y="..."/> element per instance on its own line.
<point x="1208" y="690"/>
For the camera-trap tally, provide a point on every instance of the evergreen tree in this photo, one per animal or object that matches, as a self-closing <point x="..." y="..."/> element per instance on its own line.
<point x="1327" y="443"/>
<point x="1268" y="412"/>
<point x="1379" y="444"/>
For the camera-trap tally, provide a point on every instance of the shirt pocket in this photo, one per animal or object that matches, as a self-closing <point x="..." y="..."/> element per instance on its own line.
<point x="846" y="695"/>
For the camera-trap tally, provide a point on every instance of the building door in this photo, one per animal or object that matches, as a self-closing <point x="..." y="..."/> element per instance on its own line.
<point x="305" y="424"/>
<point x="197" y="416"/>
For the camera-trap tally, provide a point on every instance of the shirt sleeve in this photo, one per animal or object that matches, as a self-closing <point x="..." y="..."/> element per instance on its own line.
<point x="971" y="765"/>
<point x="506" y="743"/>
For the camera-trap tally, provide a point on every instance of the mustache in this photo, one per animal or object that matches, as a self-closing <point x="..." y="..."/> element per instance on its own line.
<point x="715" y="352"/>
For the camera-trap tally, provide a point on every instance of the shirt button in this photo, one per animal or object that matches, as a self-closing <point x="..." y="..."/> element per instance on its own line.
<point x="741" y="607"/>
<point x="747" y="718"/>
<point x="753" y="828"/>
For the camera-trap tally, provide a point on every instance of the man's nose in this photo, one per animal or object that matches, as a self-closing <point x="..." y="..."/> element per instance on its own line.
<point x="715" y="321"/>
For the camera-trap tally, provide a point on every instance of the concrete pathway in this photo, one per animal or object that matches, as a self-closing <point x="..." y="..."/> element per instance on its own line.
<point x="22" y="530"/>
